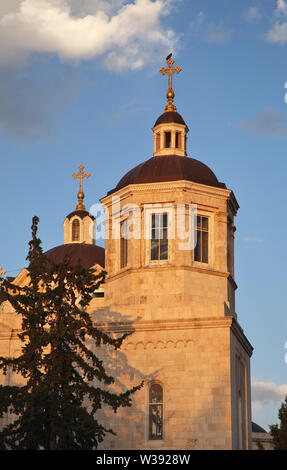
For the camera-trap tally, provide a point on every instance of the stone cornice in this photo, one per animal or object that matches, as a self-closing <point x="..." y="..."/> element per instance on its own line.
<point x="196" y="188"/>
<point x="181" y="324"/>
<point x="164" y="325"/>
<point x="232" y="282"/>
<point x="233" y="204"/>
<point x="240" y="336"/>
<point x="154" y="268"/>
<point x="160" y="325"/>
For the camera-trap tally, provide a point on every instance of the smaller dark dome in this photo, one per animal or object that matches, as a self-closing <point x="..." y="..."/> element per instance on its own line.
<point x="87" y="254"/>
<point x="81" y="214"/>
<point x="170" y="116"/>
<point x="257" y="428"/>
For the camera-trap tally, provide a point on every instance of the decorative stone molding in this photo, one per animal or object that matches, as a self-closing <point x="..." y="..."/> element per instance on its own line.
<point x="169" y="344"/>
<point x="196" y="188"/>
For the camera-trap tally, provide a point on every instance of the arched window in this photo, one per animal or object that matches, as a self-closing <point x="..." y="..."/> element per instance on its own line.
<point x="155" y="412"/>
<point x="76" y="230"/>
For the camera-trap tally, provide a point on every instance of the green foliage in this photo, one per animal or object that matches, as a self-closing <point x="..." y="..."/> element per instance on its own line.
<point x="279" y="432"/>
<point x="65" y="383"/>
<point x="260" y="446"/>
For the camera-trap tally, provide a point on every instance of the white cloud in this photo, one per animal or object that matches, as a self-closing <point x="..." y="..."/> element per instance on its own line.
<point x="268" y="392"/>
<point x="8" y="6"/>
<point x="200" y="17"/>
<point x="278" y="33"/>
<point x="268" y="123"/>
<point x="252" y="240"/>
<point x="215" y="33"/>
<point x="125" y="33"/>
<point x="218" y="34"/>
<point x="90" y="7"/>
<point x="32" y="99"/>
<point x="281" y="8"/>
<point x="266" y="400"/>
<point x="127" y="109"/>
<point x="252" y="14"/>
<point x="118" y="33"/>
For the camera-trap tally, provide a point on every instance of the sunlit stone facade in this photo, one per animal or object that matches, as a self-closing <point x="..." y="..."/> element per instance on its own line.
<point x="178" y="302"/>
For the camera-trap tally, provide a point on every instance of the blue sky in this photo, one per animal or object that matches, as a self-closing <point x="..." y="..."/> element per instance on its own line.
<point x="79" y="83"/>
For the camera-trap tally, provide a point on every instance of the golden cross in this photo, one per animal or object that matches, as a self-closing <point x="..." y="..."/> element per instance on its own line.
<point x="2" y="272"/>
<point x="170" y="71"/>
<point x="81" y="175"/>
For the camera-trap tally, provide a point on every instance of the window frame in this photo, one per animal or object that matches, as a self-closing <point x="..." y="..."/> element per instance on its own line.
<point x="210" y="217"/>
<point x="160" y="241"/>
<point x="151" y="404"/>
<point x="203" y="245"/>
<point x="155" y="209"/>
<point x="123" y="243"/>
<point x="76" y="219"/>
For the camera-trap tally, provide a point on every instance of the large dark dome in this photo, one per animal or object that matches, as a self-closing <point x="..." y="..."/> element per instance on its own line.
<point x="87" y="254"/>
<point x="169" y="168"/>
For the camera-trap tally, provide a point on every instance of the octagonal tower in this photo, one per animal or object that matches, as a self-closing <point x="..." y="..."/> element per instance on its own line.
<point x="179" y="298"/>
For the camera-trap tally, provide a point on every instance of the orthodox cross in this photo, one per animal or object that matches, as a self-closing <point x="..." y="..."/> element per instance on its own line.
<point x="81" y="175"/>
<point x="170" y="70"/>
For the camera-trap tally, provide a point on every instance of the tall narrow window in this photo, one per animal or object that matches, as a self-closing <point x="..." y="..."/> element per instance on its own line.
<point x="201" y="249"/>
<point x="240" y="427"/>
<point x="155" y="412"/>
<point x="157" y="142"/>
<point x="167" y="139"/>
<point x="177" y="140"/>
<point x="159" y="236"/>
<point x="76" y="230"/>
<point x="241" y="403"/>
<point x="124" y="245"/>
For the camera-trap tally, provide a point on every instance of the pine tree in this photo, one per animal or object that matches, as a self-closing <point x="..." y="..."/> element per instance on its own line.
<point x="65" y="383"/>
<point x="279" y="432"/>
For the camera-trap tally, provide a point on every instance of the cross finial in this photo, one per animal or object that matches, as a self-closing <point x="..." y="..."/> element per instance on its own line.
<point x="2" y="272"/>
<point x="81" y="175"/>
<point x="170" y="70"/>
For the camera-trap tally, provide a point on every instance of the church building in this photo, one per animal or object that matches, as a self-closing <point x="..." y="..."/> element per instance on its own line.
<point x="176" y="295"/>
